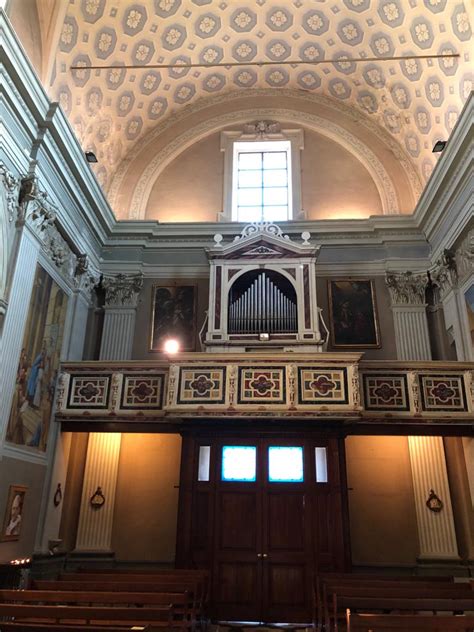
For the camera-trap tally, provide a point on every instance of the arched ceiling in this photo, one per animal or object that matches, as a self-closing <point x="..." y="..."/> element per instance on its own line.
<point x="416" y="101"/>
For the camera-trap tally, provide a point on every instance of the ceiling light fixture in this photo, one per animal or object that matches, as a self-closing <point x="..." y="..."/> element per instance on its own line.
<point x="439" y="146"/>
<point x="90" y="156"/>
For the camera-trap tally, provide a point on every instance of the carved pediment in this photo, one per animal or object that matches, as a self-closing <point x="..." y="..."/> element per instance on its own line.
<point x="265" y="240"/>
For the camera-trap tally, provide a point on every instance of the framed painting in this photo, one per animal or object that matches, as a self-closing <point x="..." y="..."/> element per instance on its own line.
<point x="12" y="521"/>
<point x="173" y="316"/>
<point x="353" y="313"/>
<point x="33" y="397"/>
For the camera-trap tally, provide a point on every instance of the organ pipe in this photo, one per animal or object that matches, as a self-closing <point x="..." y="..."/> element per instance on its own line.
<point x="262" y="308"/>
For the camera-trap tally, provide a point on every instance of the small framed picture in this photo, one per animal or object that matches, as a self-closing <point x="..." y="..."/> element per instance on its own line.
<point x="353" y="314"/>
<point x="173" y="316"/>
<point x="13" y="519"/>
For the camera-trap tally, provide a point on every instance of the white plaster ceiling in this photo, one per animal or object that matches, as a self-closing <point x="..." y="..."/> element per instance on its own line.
<point x="417" y="101"/>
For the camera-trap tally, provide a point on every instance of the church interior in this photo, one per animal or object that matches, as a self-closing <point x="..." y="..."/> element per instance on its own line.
<point x="237" y="305"/>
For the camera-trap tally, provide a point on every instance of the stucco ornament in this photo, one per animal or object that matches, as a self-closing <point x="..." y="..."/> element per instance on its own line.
<point x="122" y="290"/>
<point x="250" y="230"/>
<point x="406" y="288"/>
<point x="10" y="185"/>
<point x="445" y="274"/>
<point x="261" y="129"/>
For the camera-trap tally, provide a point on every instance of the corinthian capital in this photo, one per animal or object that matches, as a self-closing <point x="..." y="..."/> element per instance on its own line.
<point x="445" y="274"/>
<point x="122" y="290"/>
<point x="406" y="288"/>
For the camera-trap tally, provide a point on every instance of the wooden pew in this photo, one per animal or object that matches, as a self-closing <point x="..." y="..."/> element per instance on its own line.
<point x="195" y="590"/>
<point x="332" y="582"/>
<point x="92" y="615"/>
<point x="14" y="626"/>
<point x="408" y="623"/>
<point x="380" y="588"/>
<point x="394" y="601"/>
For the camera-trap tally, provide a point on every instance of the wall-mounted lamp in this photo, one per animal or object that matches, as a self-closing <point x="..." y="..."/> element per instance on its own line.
<point x="439" y="146"/>
<point x="90" y="156"/>
<point x="171" y="346"/>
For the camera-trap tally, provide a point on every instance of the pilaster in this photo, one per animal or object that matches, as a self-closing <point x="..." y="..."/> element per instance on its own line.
<point x="95" y="522"/>
<point x="436" y="532"/>
<point x="407" y="293"/>
<point x="121" y="297"/>
<point x="94" y="532"/>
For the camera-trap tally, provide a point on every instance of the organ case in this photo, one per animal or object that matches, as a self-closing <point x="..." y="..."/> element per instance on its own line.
<point x="263" y="292"/>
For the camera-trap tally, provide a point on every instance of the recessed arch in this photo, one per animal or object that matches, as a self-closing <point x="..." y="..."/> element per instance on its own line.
<point x="331" y="130"/>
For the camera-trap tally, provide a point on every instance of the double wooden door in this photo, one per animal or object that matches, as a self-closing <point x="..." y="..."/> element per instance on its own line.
<point x="264" y="514"/>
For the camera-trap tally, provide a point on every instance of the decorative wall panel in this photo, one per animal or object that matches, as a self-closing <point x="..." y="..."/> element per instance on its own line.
<point x="203" y="385"/>
<point x="442" y="392"/>
<point x="89" y="391"/>
<point x="386" y="392"/>
<point x="266" y="385"/>
<point x="319" y="385"/>
<point x="142" y="391"/>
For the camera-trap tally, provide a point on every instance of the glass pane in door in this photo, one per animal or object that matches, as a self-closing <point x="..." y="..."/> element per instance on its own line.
<point x="239" y="463"/>
<point x="285" y="464"/>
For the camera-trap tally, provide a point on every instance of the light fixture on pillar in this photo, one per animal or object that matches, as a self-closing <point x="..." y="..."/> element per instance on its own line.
<point x="171" y="346"/>
<point x="90" y="156"/>
<point x="439" y="146"/>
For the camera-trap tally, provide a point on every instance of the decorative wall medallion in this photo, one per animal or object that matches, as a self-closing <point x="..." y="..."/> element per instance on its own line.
<point x="201" y="385"/>
<point x="386" y="392"/>
<point x="318" y="385"/>
<point x="258" y="385"/>
<point x="58" y="496"/>
<point x="89" y="391"/>
<point x="442" y="393"/>
<point x="142" y="391"/>
<point x="434" y="503"/>
<point x="97" y="499"/>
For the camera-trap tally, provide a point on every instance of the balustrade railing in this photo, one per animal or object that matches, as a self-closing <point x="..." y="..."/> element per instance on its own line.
<point x="338" y="386"/>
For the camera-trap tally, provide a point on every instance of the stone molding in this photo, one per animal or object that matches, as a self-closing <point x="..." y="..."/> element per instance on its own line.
<point x="122" y="290"/>
<point x="406" y="288"/>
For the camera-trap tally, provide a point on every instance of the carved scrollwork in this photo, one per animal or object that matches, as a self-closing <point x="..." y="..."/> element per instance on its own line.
<point x="268" y="228"/>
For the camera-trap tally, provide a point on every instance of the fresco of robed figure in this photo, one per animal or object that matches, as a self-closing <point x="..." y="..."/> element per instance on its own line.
<point x="33" y="398"/>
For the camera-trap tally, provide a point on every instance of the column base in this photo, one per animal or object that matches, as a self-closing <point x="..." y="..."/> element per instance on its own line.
<point x="445" y="566"/>
<point x="90" y="559"/>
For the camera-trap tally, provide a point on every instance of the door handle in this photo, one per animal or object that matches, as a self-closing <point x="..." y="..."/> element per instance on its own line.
<point x="264" y="555"/>
<point x="259" y="555"/>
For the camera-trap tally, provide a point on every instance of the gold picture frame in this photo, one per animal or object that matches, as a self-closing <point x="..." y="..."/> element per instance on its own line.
<point x="173" y="315"/>
<point x="13" y="518"/>
<point x="353" y="314"/>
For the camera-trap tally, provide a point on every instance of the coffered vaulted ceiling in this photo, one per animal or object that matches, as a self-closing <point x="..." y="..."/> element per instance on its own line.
<point x="416" y="101"/>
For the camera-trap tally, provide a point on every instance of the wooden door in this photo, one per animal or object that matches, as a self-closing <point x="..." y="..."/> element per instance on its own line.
<point x="287" y="552"/>
<point x="263" y="538"/>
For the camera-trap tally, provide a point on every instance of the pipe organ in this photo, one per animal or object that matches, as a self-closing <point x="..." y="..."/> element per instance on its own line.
<point x="262" y="307"/>
<point x="262" y="293"/>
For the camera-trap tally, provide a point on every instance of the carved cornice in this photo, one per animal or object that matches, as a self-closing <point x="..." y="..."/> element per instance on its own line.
<point x="122" y="290"/>
<point x="406" y="288"/>
<point x="10" y="185"/>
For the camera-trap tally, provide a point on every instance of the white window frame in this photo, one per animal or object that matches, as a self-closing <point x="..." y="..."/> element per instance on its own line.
<point x="228" y="141"/>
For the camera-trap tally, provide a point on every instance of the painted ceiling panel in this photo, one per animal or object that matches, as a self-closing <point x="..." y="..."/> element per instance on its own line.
<point x="417" y="101"/>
